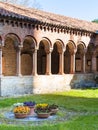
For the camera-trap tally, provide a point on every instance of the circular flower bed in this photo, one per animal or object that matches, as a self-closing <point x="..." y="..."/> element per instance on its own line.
<point x="30" y="108"/>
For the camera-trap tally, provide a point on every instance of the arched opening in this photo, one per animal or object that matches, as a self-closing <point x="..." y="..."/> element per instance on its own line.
<point x="68" y="59"/>
<point x="42" y="57"/>
<point x="90" y="49"/>
<point x="96" y="50"/>
<point x="27" y="56"/>
<point x="9" y="55"/>
<point x="55" y="57"/>
<point x="79" y="58"/>
<point x="55" y="60"/>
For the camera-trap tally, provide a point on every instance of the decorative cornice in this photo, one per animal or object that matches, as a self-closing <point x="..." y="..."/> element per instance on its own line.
<point x="35" y="24"/>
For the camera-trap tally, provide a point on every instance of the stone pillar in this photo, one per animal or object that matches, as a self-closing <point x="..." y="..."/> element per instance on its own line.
<point x="94" y="62"/>
<point x="72" y="64"/>
<point x="34" y="68"/>
<point x="84" y="54"/>
<point x="19" y="60"/>
<point x="61" y="62"/>
<point x="0" y="60"/>
<point x="48" y="61"/>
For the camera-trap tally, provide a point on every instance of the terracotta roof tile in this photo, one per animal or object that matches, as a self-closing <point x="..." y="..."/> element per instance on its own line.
<point x="34" y="14"/>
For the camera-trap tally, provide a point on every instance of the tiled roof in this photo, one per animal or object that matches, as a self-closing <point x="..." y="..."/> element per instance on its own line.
<point x="46" y="17"/>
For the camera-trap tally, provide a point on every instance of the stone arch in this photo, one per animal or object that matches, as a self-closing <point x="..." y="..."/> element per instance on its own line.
<point x="90" y="49"/>
<point x="48" y="41"/>
<point x="14" y="37"/>
<point x="79" y="57"/>
<point x="29" y="45"/>
<point x="55" y="56"/>
<point x="44" y="49"/>
<point x="70" y="47"/>
<point x="9" y="54"/>
<point x="72" y="42"/>
<point x="32" y="39"/>
<point x="82" y="44"/>
<point x="96" y="56"/>
<point x="0" y="40"/>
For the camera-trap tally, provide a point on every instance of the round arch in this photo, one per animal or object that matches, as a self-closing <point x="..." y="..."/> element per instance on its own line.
<point x="31" y="39"/>
<point x="90" y="50"/>
<point x="29" y="45"/>
<point x="58" y="47"/>
<point x="82" y="44"/>
<point x="68" y="57"/>
<point x="80" y="57"/>
<point x="43" y="50"/>
<point x="14" y="37"/>
<point x="48" y="41"/>
<point x="72" y="43"/>
<point x="9" y="54"/>
<point x="96" y="56"/>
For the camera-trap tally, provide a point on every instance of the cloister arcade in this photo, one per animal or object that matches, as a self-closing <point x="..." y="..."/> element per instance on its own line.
<point x="45" y="58"/>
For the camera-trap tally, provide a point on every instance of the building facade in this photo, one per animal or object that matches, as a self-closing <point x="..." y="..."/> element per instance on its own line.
<point x="41" y="52"/>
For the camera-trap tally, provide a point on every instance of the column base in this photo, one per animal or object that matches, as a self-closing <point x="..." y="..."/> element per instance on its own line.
<point x="34" y="74"/>
<point x="61" y="73"/>
<point x="19" y="75"/>
<point x="47" y="73"/>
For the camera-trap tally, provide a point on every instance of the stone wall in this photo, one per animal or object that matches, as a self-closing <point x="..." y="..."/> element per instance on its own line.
<point x="14" y="85"/>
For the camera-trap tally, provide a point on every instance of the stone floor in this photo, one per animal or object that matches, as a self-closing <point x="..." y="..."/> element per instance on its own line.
<point x="10" y="115"/>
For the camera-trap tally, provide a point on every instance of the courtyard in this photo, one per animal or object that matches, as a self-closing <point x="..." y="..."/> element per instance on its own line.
<point x="80" y="111"/>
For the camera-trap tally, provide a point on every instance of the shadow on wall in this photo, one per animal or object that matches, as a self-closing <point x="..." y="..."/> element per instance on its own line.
<point x="84" y="81"/>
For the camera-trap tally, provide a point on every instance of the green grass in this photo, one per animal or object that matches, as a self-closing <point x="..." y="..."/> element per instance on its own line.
<point x="80" y="101"/>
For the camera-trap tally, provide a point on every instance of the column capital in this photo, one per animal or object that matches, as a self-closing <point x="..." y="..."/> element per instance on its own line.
<point x="20" y="46"/>
<point x="49" y="50"/>
<point x="1" y="44"/>
<point x="85" y="50"/>
<point x="73" y="52"/>
<point x="34" y="50"/>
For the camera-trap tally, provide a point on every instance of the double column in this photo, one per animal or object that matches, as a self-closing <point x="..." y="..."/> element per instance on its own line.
<point x="94" y="66"/>
<point x="84" y="59"/>
<point x="34" y="67"/>
<point x="1" y="44"/>
<point x="72" y="63"/>
<point x="19" y="60"/>
<point x="61" y="62"/>
<point x="48" y="61"/>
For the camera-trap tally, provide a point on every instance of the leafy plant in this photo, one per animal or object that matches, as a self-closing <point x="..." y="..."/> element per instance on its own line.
<point x="42" y="108"/>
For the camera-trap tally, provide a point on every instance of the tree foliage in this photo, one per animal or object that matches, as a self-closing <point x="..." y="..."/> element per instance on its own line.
<point x="95" y="21"/>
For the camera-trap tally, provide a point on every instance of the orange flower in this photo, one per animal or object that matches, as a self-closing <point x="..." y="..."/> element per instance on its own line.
<point x="21" y="109"/>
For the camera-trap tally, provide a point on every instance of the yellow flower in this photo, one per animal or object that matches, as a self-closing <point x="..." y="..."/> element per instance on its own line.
<point x="42" y="105"/>
<point x="21" y="109"/>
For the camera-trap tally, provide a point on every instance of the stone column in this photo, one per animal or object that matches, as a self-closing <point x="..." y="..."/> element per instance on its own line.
<point x="48" y="62"/>
<point x="0" y="60"/>
<point x="84" y="60"/>
<point x="61" y="62"/>
<point x="72" y="64"/>
<point x="94" y="62"/>
<point x="34" y="68"/>
<point x="19" y="60"/>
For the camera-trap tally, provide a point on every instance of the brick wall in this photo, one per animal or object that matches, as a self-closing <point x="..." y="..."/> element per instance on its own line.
<point x="9" y="58"/>
<point x="26" y="64"/>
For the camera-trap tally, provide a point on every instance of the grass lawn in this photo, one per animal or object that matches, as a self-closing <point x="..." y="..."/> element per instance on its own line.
<point x="84" y="102"/>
